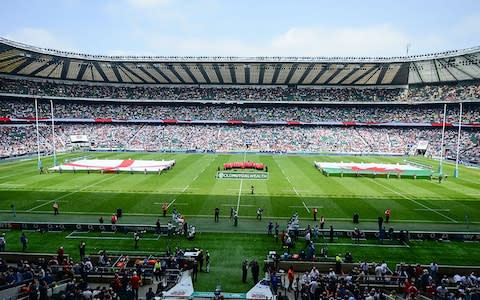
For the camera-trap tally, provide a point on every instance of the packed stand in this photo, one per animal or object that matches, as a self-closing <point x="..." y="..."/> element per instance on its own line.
<point x="444" y="92"/>
<point x="277" y="94"/>
<point x="158" y="111"/>
<point x="20" y="140"/>
<point x="46" y="88"/>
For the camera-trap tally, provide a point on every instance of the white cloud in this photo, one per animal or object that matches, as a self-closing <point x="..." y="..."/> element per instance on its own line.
<point x="195" y="46"/>
<point x="147" y="4"/>
<point x="118" y="52"/>
<point x="468" y="25"/>
<point x="299" y="41"/>
<point x="39" y="37"/>
<point x="380" y="40"/>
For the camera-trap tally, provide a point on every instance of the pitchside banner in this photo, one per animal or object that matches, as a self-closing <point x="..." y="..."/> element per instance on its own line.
<point x="81" y="227"/>
<point x="242" y="175"/>
<point x="408" y="235"/>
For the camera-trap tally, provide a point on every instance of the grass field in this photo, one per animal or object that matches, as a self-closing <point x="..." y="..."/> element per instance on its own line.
<point x="294" y="185"/>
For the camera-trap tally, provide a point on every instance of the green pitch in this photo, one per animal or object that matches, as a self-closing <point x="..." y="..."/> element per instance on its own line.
<point x="293" y="185"/>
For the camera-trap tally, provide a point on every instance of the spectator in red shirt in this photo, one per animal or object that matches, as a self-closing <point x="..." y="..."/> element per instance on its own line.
<point x="291" y="276"/>
<point x="388" y="213"/>
<point x="135" y="282"/>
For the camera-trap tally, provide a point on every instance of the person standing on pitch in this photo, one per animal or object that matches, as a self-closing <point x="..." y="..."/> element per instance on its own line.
<point x="244" y="271"/>
<point x="252" y="190"/>
<point x="380" y="222"/>
<point x="322" y="222"/>
<point x="82" y="249"/>
<point x="217" y="214"/>
<point x="388" y="213"/>
<point x="24" y="241"/>
<point x="55" y="208"/>
<point x="255" y="271"/>
<point x="158" y="228"/>
<point x="207" y="261"/>
<point x="259" y="213"/>
<point x="331" y="234"/>
<point x="136" y="238"/>
<point x="164" y="209"/>
<point x="315" y="211"/>
<point x="2" y="242"/>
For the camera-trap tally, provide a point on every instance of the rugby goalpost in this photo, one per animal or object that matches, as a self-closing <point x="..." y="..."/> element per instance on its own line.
<point x="54" y="148"/>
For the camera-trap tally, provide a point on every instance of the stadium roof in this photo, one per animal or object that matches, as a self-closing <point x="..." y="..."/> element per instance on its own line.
<point x="451" y="66"/>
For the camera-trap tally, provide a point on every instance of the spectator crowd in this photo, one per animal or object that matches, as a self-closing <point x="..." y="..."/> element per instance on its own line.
<point x="267" y="94"/>
<point x="142" y="135"/>
<point x="258" y="113"/>
<point x="21" y="139"/>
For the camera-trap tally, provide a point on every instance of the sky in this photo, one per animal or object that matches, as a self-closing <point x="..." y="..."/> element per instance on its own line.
<point x="244" y="28"/>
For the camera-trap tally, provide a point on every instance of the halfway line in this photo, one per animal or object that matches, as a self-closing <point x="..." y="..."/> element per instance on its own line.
<point x="239" y="194"/>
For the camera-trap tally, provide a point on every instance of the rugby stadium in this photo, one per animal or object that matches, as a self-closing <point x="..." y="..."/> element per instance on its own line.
<point x="192" y="170"/>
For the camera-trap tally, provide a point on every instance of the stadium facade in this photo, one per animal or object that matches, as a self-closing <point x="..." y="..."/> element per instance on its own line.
<point x="18" y="59"/>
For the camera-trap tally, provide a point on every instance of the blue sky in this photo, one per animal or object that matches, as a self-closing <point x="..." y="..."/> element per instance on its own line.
<point x="243" y="27"/>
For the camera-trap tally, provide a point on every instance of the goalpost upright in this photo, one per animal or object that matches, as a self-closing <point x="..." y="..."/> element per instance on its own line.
<point x="455" y="172"/>
<point x="53" y="135"/>
<point x="39" y="161"/>
<point x="442" y="148"/>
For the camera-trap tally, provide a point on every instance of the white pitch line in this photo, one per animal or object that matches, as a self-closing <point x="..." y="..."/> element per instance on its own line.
<point x="368" y="245"/>
<point x="50" y="200"/>
<point x="171" y="202"/>
<point x="301" y="206"/>
<point x="308" y="210"/>
<point x="298" y="195"/>
<point x="17" y="174"/>
<point x="11" y="185"/>
<point x="239" y="195"/>
<point x="71" y="193"/>
<point x="415" y="201"/>
<point x="188" y="186"/>
<point x="426" y="209"/>
<point x="296" y="192"/>
<point x="177" y="203"/>
<point x="108" y="238"/>
<point x="68" y="236"/>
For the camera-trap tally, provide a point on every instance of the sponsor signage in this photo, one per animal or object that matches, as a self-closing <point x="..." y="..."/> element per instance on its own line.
<point x="211" y="295"/>
<point x="369" y="234"/>
<point x="81" y="227"/>
<point x="242" y="175"/>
